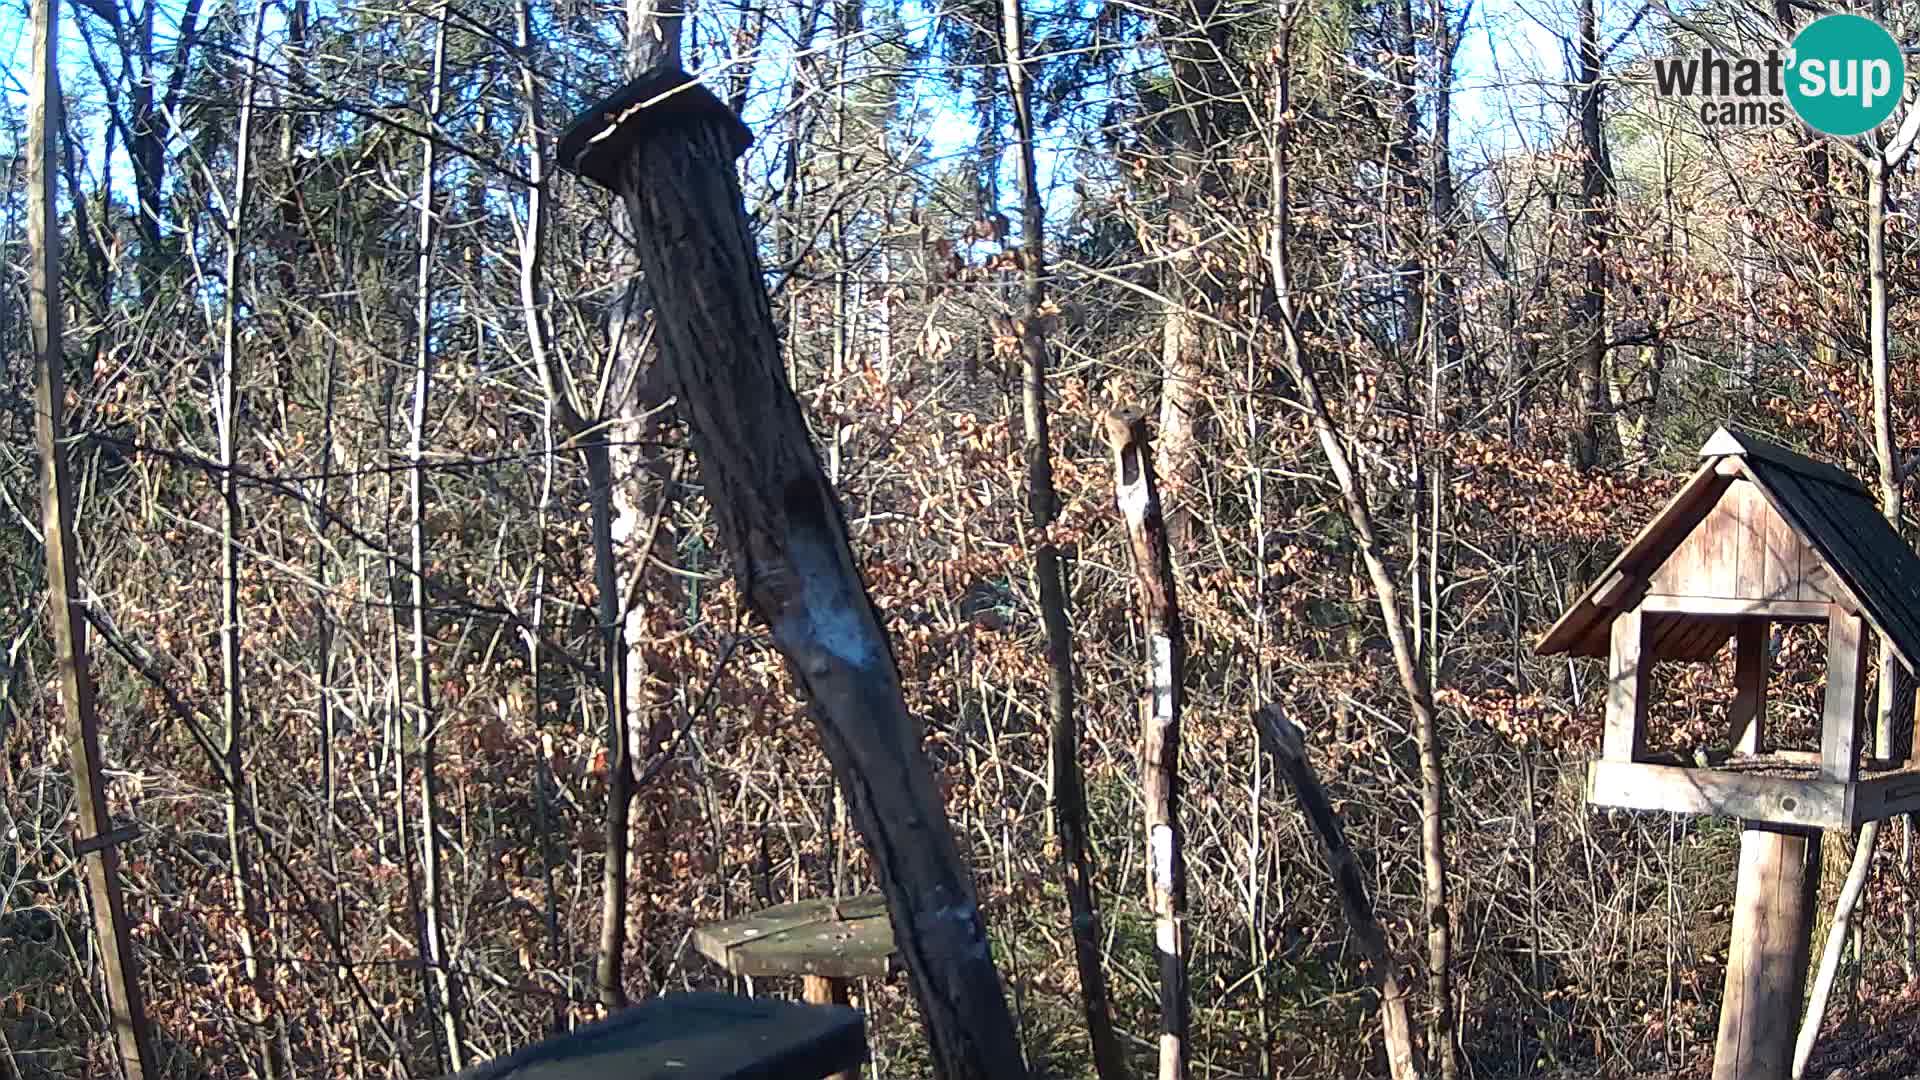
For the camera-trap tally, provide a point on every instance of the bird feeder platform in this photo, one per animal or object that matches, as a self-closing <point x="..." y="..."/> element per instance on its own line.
<point x="814" y="939"/>
<point x="827" y="943"/>
<point x="1758" y="536"/>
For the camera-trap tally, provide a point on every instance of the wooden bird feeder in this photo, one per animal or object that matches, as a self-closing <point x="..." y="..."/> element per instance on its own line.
<point x="1759" y="535"/>
<point x="827" y="943"/>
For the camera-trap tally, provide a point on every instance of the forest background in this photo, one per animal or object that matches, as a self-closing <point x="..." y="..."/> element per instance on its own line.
<point x="425" y="681"/>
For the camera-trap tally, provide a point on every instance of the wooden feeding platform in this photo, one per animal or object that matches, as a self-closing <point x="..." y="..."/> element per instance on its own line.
<point x="695" y="1037"/>
<point x="830" y="940"/>
<point x="1758" y="535"/>
<point x="827" y="943"/>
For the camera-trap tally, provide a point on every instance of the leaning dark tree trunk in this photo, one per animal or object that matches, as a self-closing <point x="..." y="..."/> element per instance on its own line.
<point x="667" y="146"/>
<point x="1282" y="739"/>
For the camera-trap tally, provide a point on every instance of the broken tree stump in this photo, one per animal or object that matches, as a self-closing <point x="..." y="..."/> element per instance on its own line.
<point x="667" y="146"/>
<point x="1137" y="494"/>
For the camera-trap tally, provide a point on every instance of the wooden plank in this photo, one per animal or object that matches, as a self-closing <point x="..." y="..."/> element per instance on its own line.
<point x="688" y="1036"/>
<point x="1747" y="718"/>
<point x="1660" y="636"/>
<point x="805" y="938"/>
<point x="1697" y="566"/>
<point x="1913" y="737"/>
<point x="1625" y="737"/>
<point x="1841" y="703"/>
<point x="1767" y="960"/>
<point x="1706" y="637"/>
<point x="1750" y="514"/>
<point x="1815" y="804"/>
<point x="1884" y="797"/>
<point x="1614" y="589"/>
<point x="1786" y="557"/>
<point x="1729" y="606"/>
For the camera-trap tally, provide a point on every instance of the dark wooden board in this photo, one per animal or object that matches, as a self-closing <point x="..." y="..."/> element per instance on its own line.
<point x="695" y="1037"/>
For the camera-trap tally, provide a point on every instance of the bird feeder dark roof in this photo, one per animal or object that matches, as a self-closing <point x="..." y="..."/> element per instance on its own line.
<point x="604" y="135"/>
<point x="1757" y="530"/>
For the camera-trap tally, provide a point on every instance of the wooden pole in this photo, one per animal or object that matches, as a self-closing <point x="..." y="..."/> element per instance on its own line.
<point x="824" y="990"/>
<point x="1282" y="738"/>
<point x="667" y="146"/>
<point x="1138" y="496"/>
<point x="126" y="1010"/>
<point x="1767" y="961"/>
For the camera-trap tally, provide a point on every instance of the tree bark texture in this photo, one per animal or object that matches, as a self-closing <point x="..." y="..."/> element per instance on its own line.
<point x="126" y="1009"/>
<point x="1593" y="436"/>
<point x="792" y="560"/>
<point x="624" y="486"/>
<point x="1137" y="494"/>
<point x="1283" y="740"/>
<point x="1196" y="44"/>
<point x="1043" y="507"/>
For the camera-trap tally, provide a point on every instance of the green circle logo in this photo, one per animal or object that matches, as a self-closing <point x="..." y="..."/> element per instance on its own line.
<point x="1846" y="74"/>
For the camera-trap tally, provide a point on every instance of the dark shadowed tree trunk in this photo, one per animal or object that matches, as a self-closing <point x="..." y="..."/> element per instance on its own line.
<point x="1283" y="740"/>
<point x="667" y="145"/>
<point x="1594" y="439"/>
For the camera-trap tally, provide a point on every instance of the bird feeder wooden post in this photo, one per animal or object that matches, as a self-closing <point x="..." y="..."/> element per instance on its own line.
<point x="1759" y="536"/>
<point x="667" y="146"/>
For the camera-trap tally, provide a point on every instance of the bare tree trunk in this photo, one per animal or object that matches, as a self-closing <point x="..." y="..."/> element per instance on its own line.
<point x="433" y="902"/>
<point x="1195" y="41"/>
<point x="232" y="692"/>
<point x="1887" y="457"/>
<point x="1449" y="346"/>
<point x="1407" y="663"/>
<point x="1843" y="909"/>
<point x="1069" y="787"/>
<point x="622" y="494"/>
<point x="533" y="308"/>
<point x="1593" y="436"/>
<point x="1137" y="493"/>
<point x="673" y="164"/>
<point x="1284" y="741"/>
<point x="126" y="1009"/>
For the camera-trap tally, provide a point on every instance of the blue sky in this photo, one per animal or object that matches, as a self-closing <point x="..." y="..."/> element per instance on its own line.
<point x="1510" y="71"/>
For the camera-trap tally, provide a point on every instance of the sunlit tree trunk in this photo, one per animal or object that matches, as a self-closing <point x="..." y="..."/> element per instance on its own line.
<point x="233" y="708"/>
<point x="126" y="1007"/>
<point x="434" y="951"/>
<point x="1043" y="506"/>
